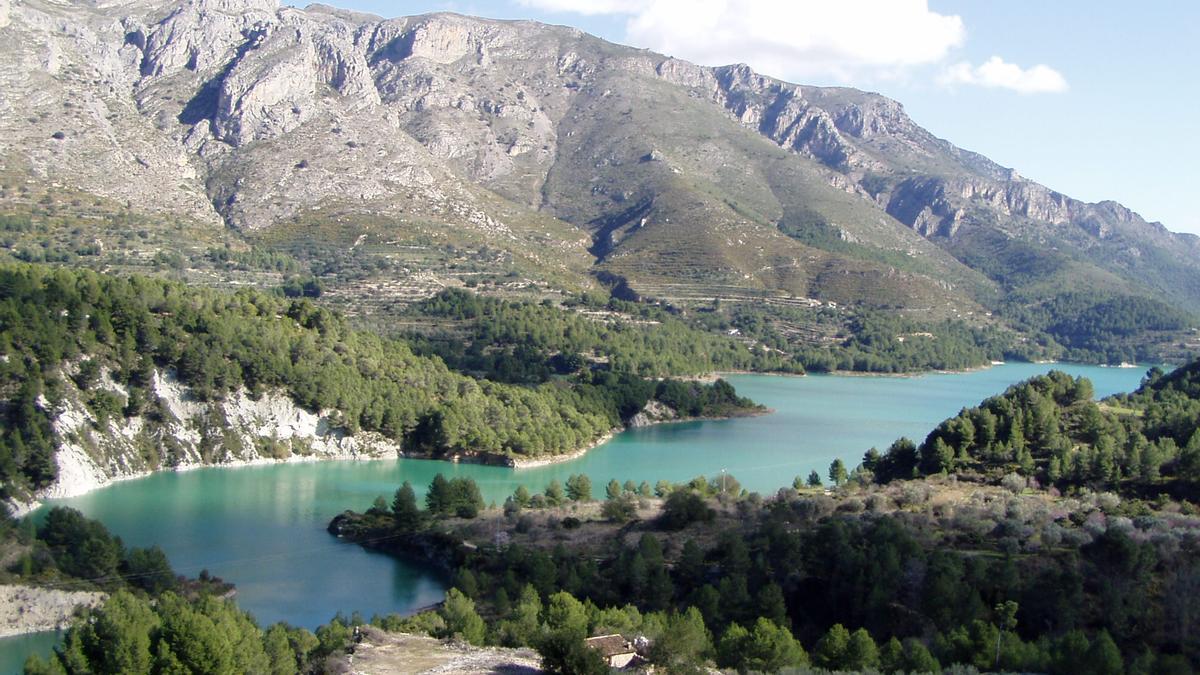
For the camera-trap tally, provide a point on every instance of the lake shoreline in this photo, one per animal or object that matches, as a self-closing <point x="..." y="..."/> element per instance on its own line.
<point x="22" y="508"/>
<point x="921" y="373"/>
<point x="231" y="521"/>
<point x="519" y="463"/>
<point x="709" y="378"/>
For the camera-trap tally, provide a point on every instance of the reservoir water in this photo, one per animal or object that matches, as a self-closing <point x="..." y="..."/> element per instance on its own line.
<point x="263" y="527"/>
<point x="14" y="650"/>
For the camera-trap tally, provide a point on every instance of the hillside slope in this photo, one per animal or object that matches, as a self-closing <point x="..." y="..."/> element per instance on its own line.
<point x="399" y="156"/>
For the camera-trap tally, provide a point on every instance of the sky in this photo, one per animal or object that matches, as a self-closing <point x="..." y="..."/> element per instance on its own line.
<point x="1099" y="99"/>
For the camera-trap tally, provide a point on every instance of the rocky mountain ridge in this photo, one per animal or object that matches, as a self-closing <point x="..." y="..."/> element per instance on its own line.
<point x="573" y="156"/>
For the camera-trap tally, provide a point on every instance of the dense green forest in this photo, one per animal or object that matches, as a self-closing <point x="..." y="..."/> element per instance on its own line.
<point x="1095" y="328"/>
<point x="868" y="578"/>
<point x="887" y="343"/>
<point x="1049" y="428"/>
<point x="135" y="635"/>
<point x="527" y="342"/>
<point x="67" y="550"/>
<point x="58" y="323"/>
<point x="153" y="621"/>
<point x="863" y="340"/>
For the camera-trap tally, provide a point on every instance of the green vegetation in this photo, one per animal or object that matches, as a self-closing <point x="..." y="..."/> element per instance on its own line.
<point x="829" y="339"/>
<point x="457" y="496"/>
<point x="868" y="578"/>
<point x="527" y="342"/>
<point x="254" y="258"/>
<point x="40" y="223"/>
<point x="1049" y="428"/>
<point x="68" y="550"/>
<point x="1096" y="328"/>
<point x="57" y="323"/>
<point x="887" y="343"/>
<point x="133" y="635"/>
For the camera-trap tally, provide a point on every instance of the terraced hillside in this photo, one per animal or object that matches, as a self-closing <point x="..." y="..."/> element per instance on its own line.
<point x="394" y="158"/>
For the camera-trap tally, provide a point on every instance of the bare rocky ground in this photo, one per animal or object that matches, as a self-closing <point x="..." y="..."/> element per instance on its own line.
<point x="26" y="609"/>
<point x="382" y="653"/>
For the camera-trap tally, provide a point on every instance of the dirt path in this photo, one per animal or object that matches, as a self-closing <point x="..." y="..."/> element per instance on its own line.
<point x="382" y="653"/>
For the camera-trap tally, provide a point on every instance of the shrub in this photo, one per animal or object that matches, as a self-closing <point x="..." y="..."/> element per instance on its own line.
<point x="683" y="508"/>
<point x="619" y="510"/>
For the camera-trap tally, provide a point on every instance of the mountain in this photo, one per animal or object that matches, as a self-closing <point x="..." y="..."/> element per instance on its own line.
<point x="396" y="157"/>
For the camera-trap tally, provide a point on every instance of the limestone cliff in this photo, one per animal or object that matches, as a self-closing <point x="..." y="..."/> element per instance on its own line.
<point x="179" y="432"/>
<point x="457" y="130"/>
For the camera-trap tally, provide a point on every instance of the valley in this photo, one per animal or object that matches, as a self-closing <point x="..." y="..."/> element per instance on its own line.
<point x="332" y="342"/>
<point x="398" y="158"/>
<point x="263" y="527"/>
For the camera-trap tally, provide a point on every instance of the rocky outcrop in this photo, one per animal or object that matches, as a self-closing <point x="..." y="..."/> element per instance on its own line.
<point x="386" y="653"/>
<point x="654" y="412"/>
<point x="200" y="35"/>
<point x="179" y="432"/>
<point x="28" y="609"/>
<point x="686" y="74"/>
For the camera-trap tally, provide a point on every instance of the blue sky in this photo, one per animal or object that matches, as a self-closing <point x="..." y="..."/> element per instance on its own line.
<point x="1099" y="99"/>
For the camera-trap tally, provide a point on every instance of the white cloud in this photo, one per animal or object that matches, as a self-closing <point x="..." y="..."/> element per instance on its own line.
<point x="586" y="7"/>
<point x="799" y="40"/>
<point x="790" y="39"/>
<point x="998" y="73"/>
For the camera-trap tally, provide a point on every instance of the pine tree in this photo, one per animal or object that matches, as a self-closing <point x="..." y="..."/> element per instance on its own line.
<point x="521" y="496"/>
<point x="1103" y="657"/>
<point x="861" y="652"/>
<point x="579" y="488"/>
<point x="613" y="489"/>
<point x="438" y="499"/>
<point x="554" y="493"/>
<point x="461" y="619"/>
<point x="770" y="604"/>
<point x="405" y="512"/>
<point x="837" y="472"/>
<point x="685" y="641"/>
<point x="830" y="652"/>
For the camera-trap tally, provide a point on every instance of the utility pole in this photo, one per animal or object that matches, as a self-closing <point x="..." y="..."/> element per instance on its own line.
<point x="1007" y="618"/>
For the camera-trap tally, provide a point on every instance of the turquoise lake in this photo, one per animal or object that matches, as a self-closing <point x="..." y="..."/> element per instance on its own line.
<point x="14" y="650"/>
<point x="263" y="527"/>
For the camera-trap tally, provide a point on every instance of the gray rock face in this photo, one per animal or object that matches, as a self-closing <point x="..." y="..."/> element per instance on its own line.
<point x="249" y="114"/>
<point x="270" y="428"/>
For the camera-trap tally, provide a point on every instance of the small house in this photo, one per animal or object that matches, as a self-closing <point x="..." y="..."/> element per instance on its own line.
<point x="616" y="650"/>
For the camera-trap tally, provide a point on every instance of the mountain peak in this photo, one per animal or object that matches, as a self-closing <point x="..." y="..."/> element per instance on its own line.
<point x="673" y="175"/>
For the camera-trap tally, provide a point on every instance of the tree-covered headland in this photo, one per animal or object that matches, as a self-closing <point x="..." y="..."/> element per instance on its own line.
<point x="913" y="576"/>
<point x="58" y="323"/>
